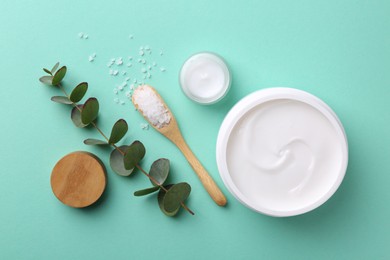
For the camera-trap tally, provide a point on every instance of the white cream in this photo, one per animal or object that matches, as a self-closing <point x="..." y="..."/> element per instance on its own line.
<point x="282" y="156"/>
<point x="205" y="78"/>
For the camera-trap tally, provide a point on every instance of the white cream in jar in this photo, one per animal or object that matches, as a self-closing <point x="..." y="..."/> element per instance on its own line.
<point x="282" y="152"/>
<point x="205" y="78"/>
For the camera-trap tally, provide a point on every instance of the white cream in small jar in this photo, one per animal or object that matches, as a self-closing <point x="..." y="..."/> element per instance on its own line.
<point x="282" y="152"/>
<point x="205" y="78"/>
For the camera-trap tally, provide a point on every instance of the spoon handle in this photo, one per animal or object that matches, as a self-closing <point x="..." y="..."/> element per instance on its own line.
<point x="208" y="182"/>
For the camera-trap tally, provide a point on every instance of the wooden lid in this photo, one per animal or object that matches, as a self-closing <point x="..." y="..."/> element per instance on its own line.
<point x="78" y="179"/>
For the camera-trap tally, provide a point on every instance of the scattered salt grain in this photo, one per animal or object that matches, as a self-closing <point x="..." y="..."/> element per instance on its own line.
<point x="143" y="61"/>
<point x="130" y="58"/>
<point x="115" y="91"/>
<point x="119" y="61"/>
<point x="85" y="36"/>
<point x="144" y="126"/>
<point x="141" y="53"/>
<point x="162" y="69"/>
<point x="116" y="100"/>
<point x="151" y="106"/>
<point x="81" y="35"/>
<point x="161" y="52"/>
<point x="90" y="58"/>
<point x="122" y="102"/>
<point x="114" y="72"/>
<point x="131" y="36"/>
<point x="143" y="70"/>
<point x="129" y="65"/>
<point x="154" y="64"/>
<point x="121" y="86"/>
<point x="127" y="79"/>
<point x="124" y="73"/>
<point x="149" y="67"/>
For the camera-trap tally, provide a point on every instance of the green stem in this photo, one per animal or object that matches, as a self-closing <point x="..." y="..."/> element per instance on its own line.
<point x="63" y="91"/>
<point x="121" y="152"/>
<point x="100" y="131"/>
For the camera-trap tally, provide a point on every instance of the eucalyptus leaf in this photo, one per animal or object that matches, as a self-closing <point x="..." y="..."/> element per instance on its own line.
<point x="134" y="155"/>
<point x="175" y="196"/>
<point x="91" y="141"/>
<point x="160" y="199"/>
<point x="47" y="71"/>
<point x="59" y="75"/>
<point x="79" y="92"/>
<point x="146" y="191"/>
<point x="116" y="162"/>
<point x="118" y="131"/>
<point x="159" y="171"/>
<point x="55" y="67"/>
<point x="90" y="111"/>
<point x="62" y="100"/>
<point x="76" y="117"/>
<point x="46" y="80"/>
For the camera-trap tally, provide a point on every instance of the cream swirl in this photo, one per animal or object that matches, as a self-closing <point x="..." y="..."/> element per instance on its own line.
<point x="280" y="150"/>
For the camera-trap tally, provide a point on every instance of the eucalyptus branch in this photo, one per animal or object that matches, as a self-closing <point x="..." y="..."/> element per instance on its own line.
<point x="122" y="152"/>
<point x="124" y="159"/>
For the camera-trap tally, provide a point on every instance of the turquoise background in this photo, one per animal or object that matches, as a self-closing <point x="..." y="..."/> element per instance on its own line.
<point x="337" y="50"/>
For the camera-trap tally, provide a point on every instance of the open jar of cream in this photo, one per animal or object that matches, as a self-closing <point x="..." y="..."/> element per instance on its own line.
<point x="282" y="152"/>
<point x="205" y="78"/>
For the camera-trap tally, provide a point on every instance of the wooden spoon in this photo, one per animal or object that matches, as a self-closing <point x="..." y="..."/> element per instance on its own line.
<point x="169" y="128"/>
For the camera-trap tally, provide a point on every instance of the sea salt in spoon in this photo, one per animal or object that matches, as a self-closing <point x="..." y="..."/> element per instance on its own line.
<point x="153" y="108"/>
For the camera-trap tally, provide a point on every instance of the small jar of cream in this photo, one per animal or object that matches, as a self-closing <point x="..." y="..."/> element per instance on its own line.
<point x="205" y="78"/>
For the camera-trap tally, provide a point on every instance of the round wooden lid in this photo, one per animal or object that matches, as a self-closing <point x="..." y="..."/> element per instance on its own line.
<point x="78" y="179"/>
